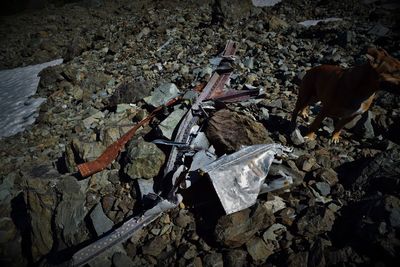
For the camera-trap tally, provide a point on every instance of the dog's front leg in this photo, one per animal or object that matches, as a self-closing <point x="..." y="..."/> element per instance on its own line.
<point x="339" y="126"/>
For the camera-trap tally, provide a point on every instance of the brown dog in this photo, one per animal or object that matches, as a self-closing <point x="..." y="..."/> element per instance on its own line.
<point x="344" y="93"/>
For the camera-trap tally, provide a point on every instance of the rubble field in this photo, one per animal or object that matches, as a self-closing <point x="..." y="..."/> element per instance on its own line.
<point x="122" y="59"/>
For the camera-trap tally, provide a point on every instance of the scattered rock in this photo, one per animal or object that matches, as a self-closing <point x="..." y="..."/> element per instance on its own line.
<point x="316" y="255"/>
<point x="71" y="211"/>
<point x="275" y="205"/>
<point x="305" y="163"/>
<point x="273" y="231"/>
<point x="168" y="125"/>
<point x="41" y="201"/>
<point x="235" y="258"/>
<point x="228" y="131"/>
<point x="249" y="62"/>
<point x="85" y="151"/>
<point x="145" y="159"/>
<point x="213" y="260"/>
<point x="323" y="188"/>
<point x="77" y="46"/>
<point x="236" y="229"/>
<point x="315" y="221"/>
<point x="129" y="92"/>
<point x="258" y="250"/>
<point x="296" y="137"/>
<point x="287" y="216"/>
<point x="190" y="253"/>
<point x="101" y="223"/>
<point x="121" y="260"/>
<point x="298" y="259"/>
<point x="327" y="175"/>
<point x="276" y="24"/>
<point x="162" y="94"/>
<point x="235" y="9"/>
<point x="381" y="173"/>
<point x="183" y="219"/>
<point x="96" y="117"/>
<point x="155" y="246"/>
<point x="362" y="125"/>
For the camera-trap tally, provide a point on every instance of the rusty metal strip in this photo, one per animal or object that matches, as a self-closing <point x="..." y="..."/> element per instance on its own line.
<point x="111" y="153"/>
<point x="235" y="95"/>
<point x="219" y="86"/>
<point x="230" y="49"/>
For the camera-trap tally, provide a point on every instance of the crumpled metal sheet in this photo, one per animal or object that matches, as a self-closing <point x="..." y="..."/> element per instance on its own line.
<point x="238" y="177"/>
<point x="17" y="109"/>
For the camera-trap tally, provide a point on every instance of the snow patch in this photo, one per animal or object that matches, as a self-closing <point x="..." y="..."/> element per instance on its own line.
<point x="313" y="22"/>
<point x="17" y="108"/>
<point x="262" y="3"/>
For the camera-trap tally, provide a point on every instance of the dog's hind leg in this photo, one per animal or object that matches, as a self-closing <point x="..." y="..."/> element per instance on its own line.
<point x="315" y="125"/>
<point x="302" y="103"/>
<point x="294" y="115"/>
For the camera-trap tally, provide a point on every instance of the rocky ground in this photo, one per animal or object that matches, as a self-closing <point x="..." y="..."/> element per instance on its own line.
<point x="343" y="211"/>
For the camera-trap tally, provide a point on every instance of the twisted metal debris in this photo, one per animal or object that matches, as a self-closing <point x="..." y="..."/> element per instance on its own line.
<point x="215" y="84"/>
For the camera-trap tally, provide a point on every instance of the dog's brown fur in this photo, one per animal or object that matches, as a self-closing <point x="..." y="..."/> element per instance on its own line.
<point x="344" y="93"/>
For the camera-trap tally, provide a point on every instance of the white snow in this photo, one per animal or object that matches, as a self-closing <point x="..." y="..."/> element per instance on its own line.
<point x="313" y="22"/>
<point x="17" y="108"/>
<point x="262" y="3"/>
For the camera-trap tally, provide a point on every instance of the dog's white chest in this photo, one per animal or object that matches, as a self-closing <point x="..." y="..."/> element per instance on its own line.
<point x="364" y="105"/>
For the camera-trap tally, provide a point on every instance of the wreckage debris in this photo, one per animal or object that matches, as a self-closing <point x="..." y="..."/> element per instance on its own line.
<point x="238" y="178"/>
<point x="247" y="169"/>
<point x="182" y="135"/>
<point x="120" y="53"/>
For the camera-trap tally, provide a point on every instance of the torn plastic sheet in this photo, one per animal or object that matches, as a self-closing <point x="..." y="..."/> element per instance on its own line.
<point x="237" y="178"/>
<point x="122" y="233"/>
<point x="313" y="22"/>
